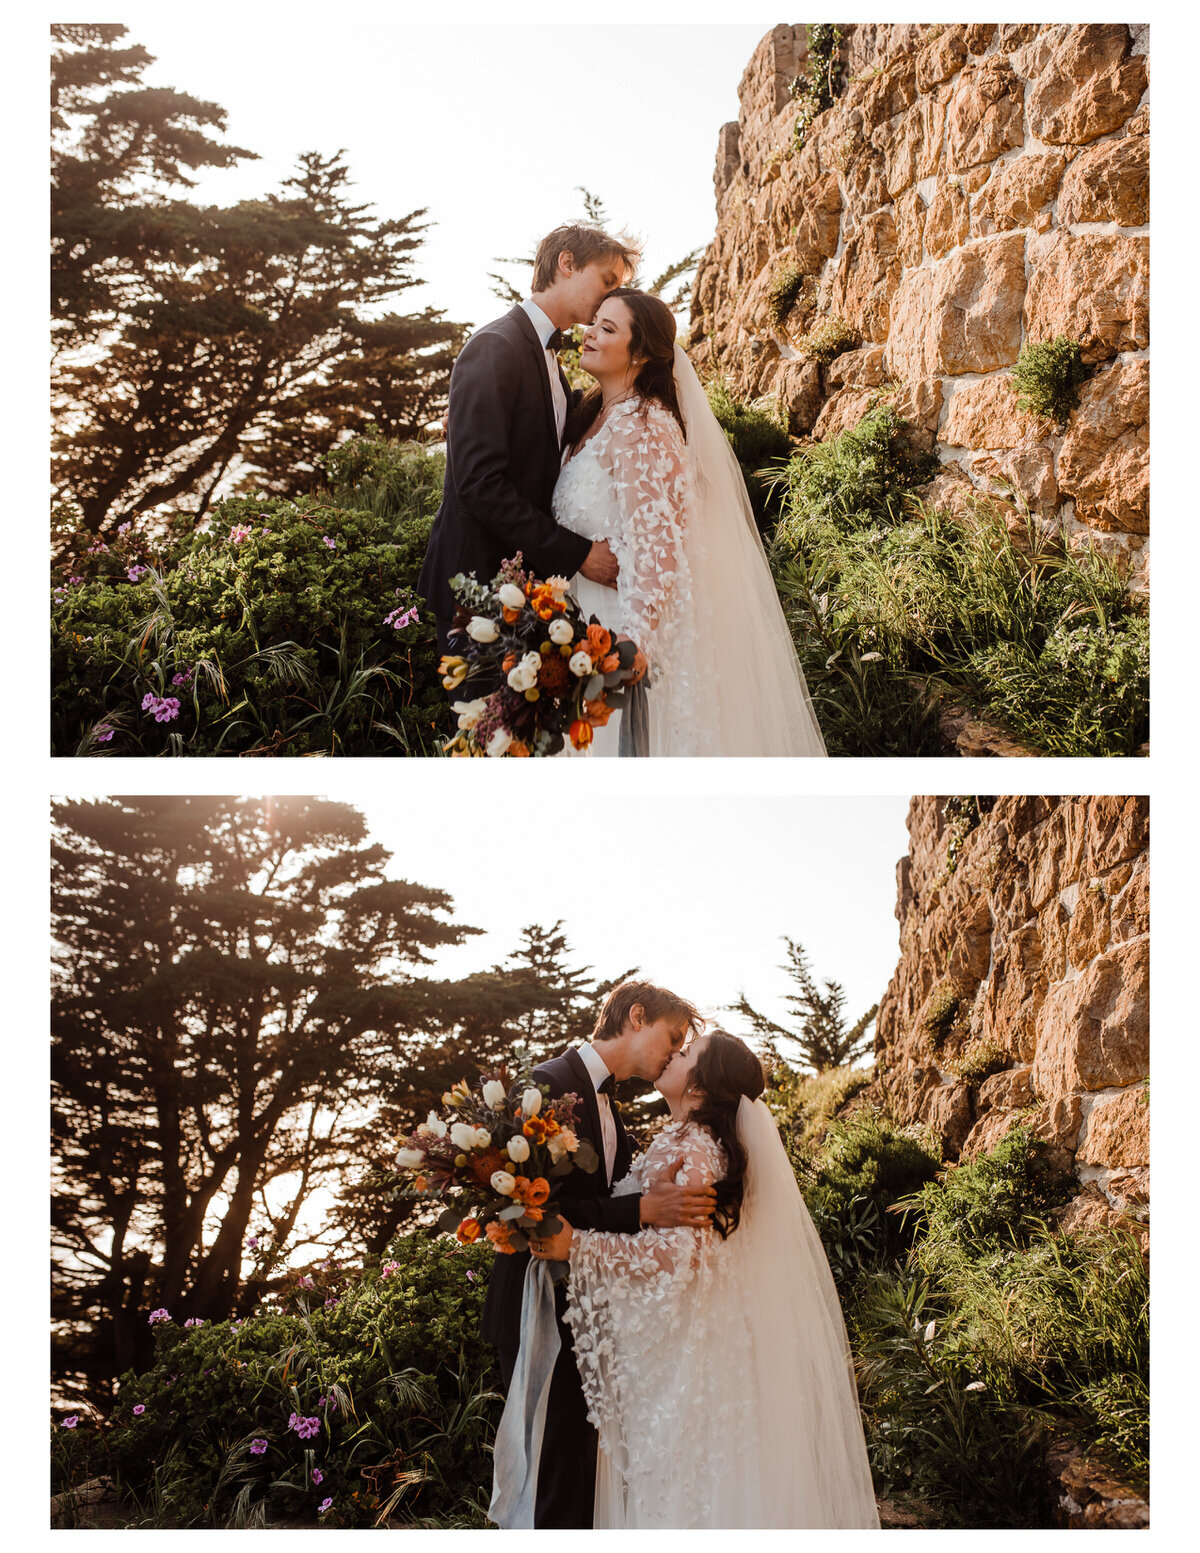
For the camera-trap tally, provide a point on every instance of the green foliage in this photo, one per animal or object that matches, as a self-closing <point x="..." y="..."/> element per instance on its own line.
<point x="894" y="604"/>
<point x="393" y="1368"/>
<point x="933" y="1432"/>
<point x="757" y="438"/>
<point x="996" y="1329"/>
<point x="817" y="86"/>
<point x="787" y="286"/>
<point x="940" y="1011"/>
<point x="962" y="813"/>
<point x="821" y="1032"/>
<point x="270" y="626"/>
<point x="827" y="340"/>
<point x="862" y="1168"/>
<point x="990" y="1198"/>
<point x="805" y="1104"/>
<point x="1047" y="376"/>
<point x="978" y="1060"/>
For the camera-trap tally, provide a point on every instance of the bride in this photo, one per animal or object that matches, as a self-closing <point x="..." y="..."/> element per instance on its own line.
<point x="715" y="1362"/>
<point x="649" y="469"/>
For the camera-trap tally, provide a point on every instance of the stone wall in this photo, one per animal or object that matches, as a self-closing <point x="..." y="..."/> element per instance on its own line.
<point x="1035" y="945"/>
<point x="973" y="187"/>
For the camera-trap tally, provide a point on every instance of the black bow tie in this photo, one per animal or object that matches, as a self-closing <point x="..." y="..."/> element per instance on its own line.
<point x="556" y="341"/>
<point x="608" y="1086"/>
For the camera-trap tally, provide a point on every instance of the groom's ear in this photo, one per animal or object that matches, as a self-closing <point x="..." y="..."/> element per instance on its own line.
<point x="637" y="1016"/>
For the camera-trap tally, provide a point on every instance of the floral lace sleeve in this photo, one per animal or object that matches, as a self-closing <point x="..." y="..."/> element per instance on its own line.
<point x="643" y="456"/>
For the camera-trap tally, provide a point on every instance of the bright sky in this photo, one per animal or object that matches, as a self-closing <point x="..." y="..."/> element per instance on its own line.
<point x="696" y="891"/>
<point x="490" y="126"/>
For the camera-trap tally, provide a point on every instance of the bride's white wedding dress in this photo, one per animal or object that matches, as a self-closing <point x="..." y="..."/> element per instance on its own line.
<point x="717" y="1372"/>
<point x="694" y="589"/>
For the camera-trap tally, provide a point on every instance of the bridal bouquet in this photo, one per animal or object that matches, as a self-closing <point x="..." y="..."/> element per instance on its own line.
<point x="493" y="1159"/>
<point x="563" y="675"/>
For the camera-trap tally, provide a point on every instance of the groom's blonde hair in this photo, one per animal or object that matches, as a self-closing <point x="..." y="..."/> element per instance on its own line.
<point x="585" y="244"/>
<point x="657" y="1003"/>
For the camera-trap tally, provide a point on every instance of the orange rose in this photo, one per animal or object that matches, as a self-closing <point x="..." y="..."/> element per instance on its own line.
<point x="509" y="614"/>
<point x="499" y="1237"/>
<point x="640" y="665"/>
<point x="599" y="642"/>
<point x="520" y="1189"/>
<point x="421" y="1184"/>
<point x="534" y="1215"/>
<point x="517" y="748"/>
<point x="510" y="662"/>
<point x="597" y="712"/>
<point x="539" y="1190"/>
<point x="610" y="664"/>
<point x="581" y="734"/>
<point x="468" y="1231"/>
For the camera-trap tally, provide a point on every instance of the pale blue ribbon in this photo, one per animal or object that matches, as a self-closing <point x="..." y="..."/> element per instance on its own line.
<point x="518" y="1445"/>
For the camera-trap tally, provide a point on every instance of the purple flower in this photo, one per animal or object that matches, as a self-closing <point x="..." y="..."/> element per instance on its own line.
<point x="323" y="1506"/>
<point x="139" y="1410"/>
<point x="103" y="733"/>
<point x="193" y="1321"/>
<point x="304" y="1427"/>
<point x="159" y="1315"/>
<point x="253" y="1242"/>
<point x="399" y="618"/>
<point x="304" y="1281"/>
<point x="318" y="1475"/>
<point x="182" y="679"/>
<point x="332" y="1300"/>
<point x="257" y="1447"/>
<point x="123" y="528"/>
<point x="165" y="708"/>
<point x="240" y="532"/>
<point x="69" y="1423"/>
<point x="136" y="572"/>
<point x="332" y="543"/>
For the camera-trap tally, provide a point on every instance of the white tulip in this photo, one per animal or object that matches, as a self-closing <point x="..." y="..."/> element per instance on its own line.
<point x="462" y="1136"/>
<point x="469" y="712"/>
<point x="580" y="664"/>
<point x="499" y="742"/>
<point x="435" y="1126"/>
<point x="483" y="1138"/>
<point x="518" y="1149"/>
<point x="511" y="596"/>
<point x="560" y="632"/>
<point x="531" y="1102"/>
<point x="503" y="1183"/>
<point x="481" y="629"/>
<point x="493" y="1093"/>
<point x="409" y="1159"/>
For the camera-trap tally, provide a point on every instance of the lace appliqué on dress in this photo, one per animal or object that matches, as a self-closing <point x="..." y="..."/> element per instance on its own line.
<point x="631" y="484"/>
<point x="654" y="1344"/>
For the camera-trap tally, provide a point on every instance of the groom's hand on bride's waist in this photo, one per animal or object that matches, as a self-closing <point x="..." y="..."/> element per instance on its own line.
<point x="667" y="1206"/>
<point x="600" y="565"/>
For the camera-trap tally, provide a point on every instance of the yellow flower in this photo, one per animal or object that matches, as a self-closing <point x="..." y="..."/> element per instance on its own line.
<point x="453" y="671"/>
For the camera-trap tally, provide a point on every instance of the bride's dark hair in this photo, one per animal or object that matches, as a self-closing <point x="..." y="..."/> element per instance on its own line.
<point x="651" y="334"/>
<point x="725" y="1070"/>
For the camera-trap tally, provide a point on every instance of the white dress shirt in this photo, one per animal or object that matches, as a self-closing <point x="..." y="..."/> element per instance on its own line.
<point x="598" y="1071"/>
<point x="545" y="329"/>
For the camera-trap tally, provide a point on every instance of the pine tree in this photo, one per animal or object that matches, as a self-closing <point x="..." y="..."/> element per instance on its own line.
<point x="231" y="978"/>
<point x="819" y="1032"/>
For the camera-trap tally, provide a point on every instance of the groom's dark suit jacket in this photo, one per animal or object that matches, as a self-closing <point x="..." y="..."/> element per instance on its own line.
<point x="502" y="461"/>
<point x="585" y="1199"/>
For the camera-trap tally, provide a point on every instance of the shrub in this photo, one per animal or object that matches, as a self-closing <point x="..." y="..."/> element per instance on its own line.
<point x="787" y="286"/>
<point x="816" y="87"/>
<point x="993" y="1196"/>
<point x="1047" y="376"/>
<point x="977" y="1061"/>
<point x="863" y="1167"/>
<point x="804" y="1104"/>
<point x="272" y="630"/>
<point x="893" y="605"/>
<point x="757" y="439"/>
<point x="827" y="340"/>
<point x="393" y="1373"/>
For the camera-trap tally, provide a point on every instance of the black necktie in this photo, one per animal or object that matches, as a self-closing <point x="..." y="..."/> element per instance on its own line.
<point x="607" y="1087"/>
<point x="555" y="342"/>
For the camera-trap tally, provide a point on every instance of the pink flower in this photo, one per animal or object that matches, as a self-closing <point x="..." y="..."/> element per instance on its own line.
<point x="139" y="1410"/>
<point x="257" y="1447"/>
<point x="324" y="1505"/>
<point x="318" y="1475"/>
<point x="159" y="1315"/>
<point x="332" y="543"/>
<point x="240" y="532"/>
<point x="69" y="1423"/>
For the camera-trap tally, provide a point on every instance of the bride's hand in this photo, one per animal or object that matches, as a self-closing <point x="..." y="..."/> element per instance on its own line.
<point x="553" y="1248"/>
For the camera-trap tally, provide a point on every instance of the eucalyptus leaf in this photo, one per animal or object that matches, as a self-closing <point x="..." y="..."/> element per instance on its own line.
<point x="513" y="1211"/>
<point x="585" y="1156"/>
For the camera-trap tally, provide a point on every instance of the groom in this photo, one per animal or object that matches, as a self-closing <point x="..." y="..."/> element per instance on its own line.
<point x="639" y="1030"/>
<point x="508" y="405"/>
